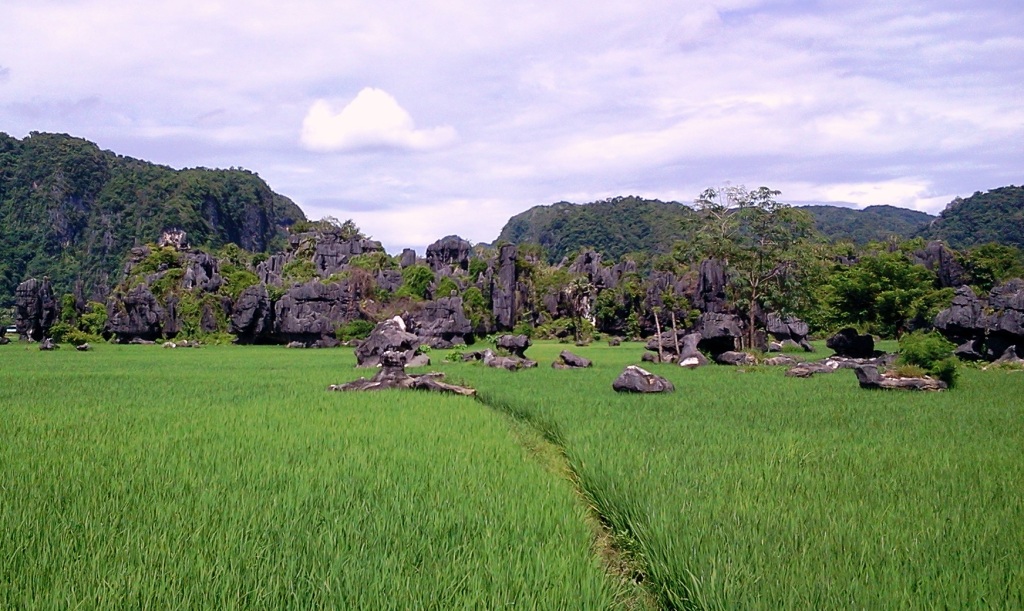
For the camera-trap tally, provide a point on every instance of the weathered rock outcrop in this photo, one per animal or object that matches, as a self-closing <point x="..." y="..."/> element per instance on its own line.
<point x="388" y="336"/>
<point x="711" y="285"/>
<point x="936" y="257"/>
<point x="332" y="252"/>
<point x="448" y="252"/>
<point x="252" y="317"/>
<point x="985" y="328"/>
<point x="310" y="313"/>
<point x="503" y="288"/>
<point x="636" y="379"/>
<point x="847" y="342"/>
<point x="35" y="309"/>
<point x="442" y="323"/>
<point x="137" y="314"/>
<point x="719" y="332"/>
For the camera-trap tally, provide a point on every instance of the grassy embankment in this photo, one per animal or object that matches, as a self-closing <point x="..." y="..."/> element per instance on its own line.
<point x="228" y="477"/>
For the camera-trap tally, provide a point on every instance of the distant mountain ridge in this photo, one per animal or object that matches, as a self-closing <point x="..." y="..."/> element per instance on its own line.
<point x="613" y="227"/>
<point x="870" y="224"/>
<point x="71" y="211"/>
<point x="623" y="225"/>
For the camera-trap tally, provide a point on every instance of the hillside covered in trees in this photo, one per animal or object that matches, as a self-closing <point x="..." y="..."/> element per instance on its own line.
<point x="994" y="216"/>
<point x="72" y="212"/>
<point x="622" y="225"/>
<point x="870" y="224"/>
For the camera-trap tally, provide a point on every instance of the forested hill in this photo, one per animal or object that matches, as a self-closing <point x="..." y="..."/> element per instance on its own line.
<point x="613" y="227"/>
<point x="871" y="224"/>
<point x="628" y="224"/>
<point x="994" y="216"/>
<point x="71" y="211"/>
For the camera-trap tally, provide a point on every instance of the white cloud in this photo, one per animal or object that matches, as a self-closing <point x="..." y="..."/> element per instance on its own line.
<point x="373" y="119"/>
<point x="907" y="103"/>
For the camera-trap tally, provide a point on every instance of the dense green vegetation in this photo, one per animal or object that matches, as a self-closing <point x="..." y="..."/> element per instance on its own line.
<point x="613" y="227"/>
<point x="870" y="224"/>
<point x="229" y="478"/>
<point x="994" y="216"/>
<point x="623" y="225"/>
<point x="71" y="211"/>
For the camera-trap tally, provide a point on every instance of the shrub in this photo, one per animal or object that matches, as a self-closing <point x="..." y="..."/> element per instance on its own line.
<point x="931" y="352"/>
<point x="924" y="349"/>
<point x="354" y="329"/>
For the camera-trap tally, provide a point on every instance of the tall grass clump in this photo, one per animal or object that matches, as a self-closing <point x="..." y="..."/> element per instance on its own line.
<point x="228" y="477"/>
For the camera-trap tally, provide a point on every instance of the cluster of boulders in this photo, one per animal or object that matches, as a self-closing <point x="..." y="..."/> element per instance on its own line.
<point x="510" y="355"/>
<point x="986" y="328"/>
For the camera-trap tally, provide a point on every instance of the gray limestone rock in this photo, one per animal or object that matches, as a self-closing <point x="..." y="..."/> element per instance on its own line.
<point x="847" y="342"/>
<point x="638" y="380"/>
<point x="35" y="309"/>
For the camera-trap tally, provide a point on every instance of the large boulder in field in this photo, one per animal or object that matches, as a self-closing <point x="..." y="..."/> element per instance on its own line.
<point x="514" y="344"/>
<point x="964" y="319"/>
<point x="388" y="336"/>
<point x="789" y="329"/>
<point x="735" y="358"/>
<point x="511" y="363"/>
<point x="689" y="355"/>
<point x="35" y="309"/>
<point x="568" y="360"/>
<point x="847" y="342"/>
<point x="636" y="379"/>
<point x="442" y="323"/>
<point x="719" y="332"/>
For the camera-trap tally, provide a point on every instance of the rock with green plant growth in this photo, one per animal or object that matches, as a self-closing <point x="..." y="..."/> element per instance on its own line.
<point x="869" y="377"/>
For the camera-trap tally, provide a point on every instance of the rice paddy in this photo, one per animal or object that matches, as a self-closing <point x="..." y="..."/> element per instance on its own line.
<point x="227" y="477"/>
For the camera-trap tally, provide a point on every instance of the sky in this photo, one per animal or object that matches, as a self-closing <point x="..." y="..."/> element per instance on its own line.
<point x="419" y="120"/>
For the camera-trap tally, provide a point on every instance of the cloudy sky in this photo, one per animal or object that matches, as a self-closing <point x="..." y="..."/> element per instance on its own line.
<point x="422" y="119"/>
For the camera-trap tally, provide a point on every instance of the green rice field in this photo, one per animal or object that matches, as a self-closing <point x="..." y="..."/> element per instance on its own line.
<point x="227" y="477"/>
